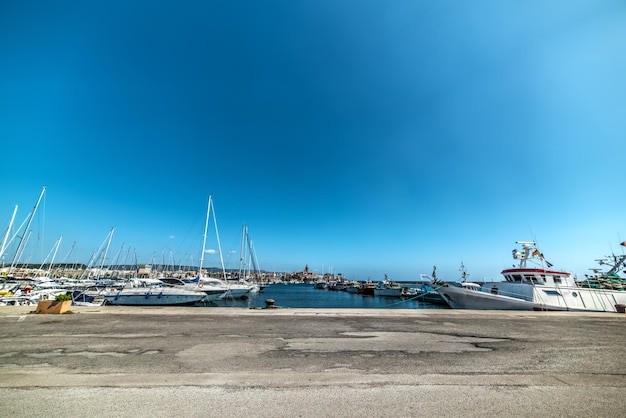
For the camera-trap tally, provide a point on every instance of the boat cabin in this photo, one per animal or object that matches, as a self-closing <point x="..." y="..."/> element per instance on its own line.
<point x="539" y="277"/>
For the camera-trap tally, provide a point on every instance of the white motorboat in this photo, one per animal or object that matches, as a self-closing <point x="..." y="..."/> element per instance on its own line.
<point x="533" y="288"/>
<point x="213" y="292"/>
<point x="230" y="290"/>
<point x="142" y="293"/>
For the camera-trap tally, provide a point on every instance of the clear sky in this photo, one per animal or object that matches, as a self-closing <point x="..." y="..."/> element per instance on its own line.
<point x="366" y="137"/>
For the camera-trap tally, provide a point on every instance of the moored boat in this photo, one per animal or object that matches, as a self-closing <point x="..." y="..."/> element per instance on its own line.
<point x="367" y="288"/>
<point x="388" y="288"/>
<point x="353" y="287"/>
<point x="320" y="284"/>
<point x="532" y="288"/>
<point x="212" y="291"/>
<point x="152" y="294"/>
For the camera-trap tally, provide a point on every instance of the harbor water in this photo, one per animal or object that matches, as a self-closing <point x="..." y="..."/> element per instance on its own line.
<point x="307" y="296"/>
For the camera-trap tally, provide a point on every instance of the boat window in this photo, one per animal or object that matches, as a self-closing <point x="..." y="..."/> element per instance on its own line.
<point x="494" y="290"/>
<point x="517" y="278"/>
<point x="557" y="279"/>
<point x="552" y="292"/>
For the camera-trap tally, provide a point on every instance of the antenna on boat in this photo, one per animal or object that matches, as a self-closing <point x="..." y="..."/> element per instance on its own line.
<point x="524" y="254"/>
<point x="464" y="272"/>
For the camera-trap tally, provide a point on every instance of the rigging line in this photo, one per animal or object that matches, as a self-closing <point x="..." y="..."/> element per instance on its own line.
<point x="217" y="234"/>
<point x="21" y="243"/>
<point x="6" y="237"/>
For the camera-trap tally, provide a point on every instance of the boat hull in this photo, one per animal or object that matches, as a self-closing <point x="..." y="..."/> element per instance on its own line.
<point x="541" y="298"/>
<point x="390" y="293"/>
<point x="236" y="292"/>
<point x="460" y="298"/>
<point x="154" y="297"/>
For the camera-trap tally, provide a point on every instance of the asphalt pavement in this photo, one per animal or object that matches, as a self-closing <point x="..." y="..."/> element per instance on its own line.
<point x="230" y="362"/>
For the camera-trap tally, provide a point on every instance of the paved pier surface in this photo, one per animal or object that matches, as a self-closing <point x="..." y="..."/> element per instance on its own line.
<point x="222" y="362"/>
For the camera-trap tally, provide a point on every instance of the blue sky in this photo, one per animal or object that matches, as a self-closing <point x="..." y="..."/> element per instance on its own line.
<point x="369" y="137"/>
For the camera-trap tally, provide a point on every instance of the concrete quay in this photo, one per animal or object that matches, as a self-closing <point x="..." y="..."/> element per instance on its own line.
<point x="229" y="362"/>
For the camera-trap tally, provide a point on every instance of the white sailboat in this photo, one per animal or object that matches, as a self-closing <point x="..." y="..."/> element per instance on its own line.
<point x="25" y="236"/>
<point x="211" y="284"/>
<point x="248" y="263"/>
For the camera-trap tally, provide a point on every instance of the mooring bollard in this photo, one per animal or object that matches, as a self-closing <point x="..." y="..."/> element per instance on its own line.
<point x="269" y="303"/>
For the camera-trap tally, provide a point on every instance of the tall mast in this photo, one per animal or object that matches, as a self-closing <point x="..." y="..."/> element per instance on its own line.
<point x="206" y="226"/>
<point x="30" y="220"/>
<point x="17" y="231"/>
<point x="242" y="253"/>
<point x="6" y="236"/>
<point x="253" y="258"/>
<point x="56" y="249"/>
<point x="66" y="260"/>
<point x="106" y="250"/>
<point x="217" y="234"/>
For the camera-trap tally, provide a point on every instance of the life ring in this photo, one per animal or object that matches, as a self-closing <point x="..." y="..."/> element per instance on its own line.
<point x="200" y="284"/>
<point x="27" y="289"/>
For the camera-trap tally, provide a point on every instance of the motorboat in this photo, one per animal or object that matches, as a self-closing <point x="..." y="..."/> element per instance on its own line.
<point x="538" y="287"/>
<point x="153" y="292"/>
<point x="213" y="292"/>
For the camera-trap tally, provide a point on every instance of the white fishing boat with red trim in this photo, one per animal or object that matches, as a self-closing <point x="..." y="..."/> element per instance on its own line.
<point x="537" y="288"/>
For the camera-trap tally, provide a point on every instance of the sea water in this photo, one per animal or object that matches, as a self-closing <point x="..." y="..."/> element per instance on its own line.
<point x="307" y="296"/>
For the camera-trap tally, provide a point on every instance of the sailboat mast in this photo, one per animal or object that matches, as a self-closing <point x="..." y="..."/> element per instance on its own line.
<point x="106" y="250"/>
<point x="206" y="227"/>
<point x="253" y="259"/>
<point x="217" y="234"/>
<point x="30" y="220"/>
<point x="56" y="249"/>
<point x="17" y="231"/>
<point x="244" y="266"/>
<point x="242" y="253"/>
<point x="6" y="236"/>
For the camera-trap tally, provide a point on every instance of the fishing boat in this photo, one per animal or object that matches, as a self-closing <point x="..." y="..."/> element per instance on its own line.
<point x="425" y="290"/>
<point x="320" y="283"/>
<point x="367" y="288"/>
<point x="388" y="288"/>
<point x="353" y="286"/>
<point x="537" y="287"/>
